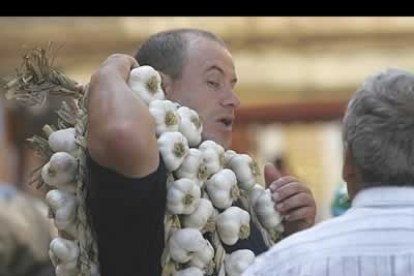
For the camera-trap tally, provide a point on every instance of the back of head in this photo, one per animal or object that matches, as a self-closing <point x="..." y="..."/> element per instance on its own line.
<point x="379" y="129"/>
<point x="166" y="51"/>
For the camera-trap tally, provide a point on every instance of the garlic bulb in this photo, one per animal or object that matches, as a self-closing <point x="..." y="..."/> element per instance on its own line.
<point x="193" y="167"/>
<point x="213" y="156"/>
<point x="64" y="206"/>
<point x="203" y="258"/>
<point x="191" y="271"/>
<point x="238" y="261"/>
<point x="246" y="170"/>
<point x="183" y="196"/>
<point x="184" y="243"/>
<point x="203" y="218"/>
<point x="233" y="224"/>
<point x="267" y="215"/>
<point x="222" y="189"/>
<point x="145" y="81"/>
<point x="61" y="169"/>
<point x="190" y="125"/>
<point x="165" y="115"/>
<point x="254" y="193"/>
<point x="228" y="155"/>
<point x="174" y="148"/>
<point x="63" y="140"/>
<point x="65" y="253"/>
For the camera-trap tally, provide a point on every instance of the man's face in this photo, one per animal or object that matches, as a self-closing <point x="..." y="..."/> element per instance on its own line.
<point x="206" y="85"/>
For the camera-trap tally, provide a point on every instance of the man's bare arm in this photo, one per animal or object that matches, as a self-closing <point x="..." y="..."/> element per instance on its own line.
<point x="121" y="131"/>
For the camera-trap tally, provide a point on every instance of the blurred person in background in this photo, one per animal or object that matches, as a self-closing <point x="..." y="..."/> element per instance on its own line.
<point x="375" y="237"/>
<point x="340" y="200"/>
<point x="25" y="229"/>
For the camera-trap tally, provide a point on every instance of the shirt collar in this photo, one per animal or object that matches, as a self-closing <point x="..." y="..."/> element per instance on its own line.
<point x="384" y="196"/>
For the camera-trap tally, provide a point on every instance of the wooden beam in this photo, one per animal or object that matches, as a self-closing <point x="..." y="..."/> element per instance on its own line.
<point x="288" y="113"/>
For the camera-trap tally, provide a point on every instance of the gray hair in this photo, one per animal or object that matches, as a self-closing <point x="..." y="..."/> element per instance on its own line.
<point x="379" y="129"/>
<point x="166" y="51"/>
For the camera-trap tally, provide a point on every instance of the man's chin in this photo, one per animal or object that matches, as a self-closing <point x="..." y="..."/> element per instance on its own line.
<point x="222" y="140"/>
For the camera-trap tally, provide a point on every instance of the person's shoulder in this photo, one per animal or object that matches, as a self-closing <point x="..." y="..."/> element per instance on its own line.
<point x="301" y="247"/>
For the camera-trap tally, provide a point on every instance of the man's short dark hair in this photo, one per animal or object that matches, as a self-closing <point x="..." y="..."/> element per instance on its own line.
<point x="166" y="51"/>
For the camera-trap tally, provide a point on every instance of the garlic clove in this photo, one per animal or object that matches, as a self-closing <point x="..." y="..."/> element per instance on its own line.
<point x="213" y="156"/>
<point x="203" y="258"/>
<point x="183" y="196"/>
<point x="190" y="125"/>
<point x="64" y="206"/>
<point x="174" y="148"/>
<point x="66" y="251"/>
<point x="193" y="167"/>
<point x="246" y="170"/>
<point x="184" y="243"/>
<point x="233" y="224"/>
<point x="191" y="271"/>
<point x="63" y="140"/>
<point x="255" y="193"/>
<point x="202" y="218"/>
<point x="165" y="115"/>
<point x="267" y="215"/>
<point x="222" y="189"/>
<point x="61" y="169"/>
<point x="228" y="155"/>
<point x="237" y="262"/>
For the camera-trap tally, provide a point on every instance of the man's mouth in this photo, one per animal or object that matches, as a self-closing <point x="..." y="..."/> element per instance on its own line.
<point x="226" y="121"/>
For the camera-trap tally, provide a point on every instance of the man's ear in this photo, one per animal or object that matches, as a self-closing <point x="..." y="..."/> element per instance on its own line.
<point x="166" y="83"/>
<point x="349" y="173"/>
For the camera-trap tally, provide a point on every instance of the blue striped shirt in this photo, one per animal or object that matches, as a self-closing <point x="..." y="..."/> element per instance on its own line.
<point x="375" y="237"/>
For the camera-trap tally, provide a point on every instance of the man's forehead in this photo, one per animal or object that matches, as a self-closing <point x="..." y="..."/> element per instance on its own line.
<point x="212" y="55"/>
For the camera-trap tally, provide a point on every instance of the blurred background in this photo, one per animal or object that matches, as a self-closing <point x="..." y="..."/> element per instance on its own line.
<point x="296" y="75"/>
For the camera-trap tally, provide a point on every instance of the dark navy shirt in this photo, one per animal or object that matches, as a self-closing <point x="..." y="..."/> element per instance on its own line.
<point x="128" y="218"/>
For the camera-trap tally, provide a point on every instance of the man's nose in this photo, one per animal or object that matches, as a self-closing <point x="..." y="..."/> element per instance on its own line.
<point x="231" y="99"/>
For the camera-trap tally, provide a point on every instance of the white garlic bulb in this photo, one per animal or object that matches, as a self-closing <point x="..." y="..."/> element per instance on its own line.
<point x="238" y="261"/>
<point x="183" y="196"/>
<point x="233" y="224"/>
<point x="145" y="82"/>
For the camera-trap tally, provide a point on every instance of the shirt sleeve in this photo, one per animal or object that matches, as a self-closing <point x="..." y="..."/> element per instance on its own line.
<point x="128" y="219"/>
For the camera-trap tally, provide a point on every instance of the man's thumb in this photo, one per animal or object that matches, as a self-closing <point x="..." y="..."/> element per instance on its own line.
<point x="271" y="173"/>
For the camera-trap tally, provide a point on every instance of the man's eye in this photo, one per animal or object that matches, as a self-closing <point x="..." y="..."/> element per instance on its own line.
<point x="213" y="84"/>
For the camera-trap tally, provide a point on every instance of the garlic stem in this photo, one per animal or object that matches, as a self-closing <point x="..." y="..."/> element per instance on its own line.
<point x="47" y="130"/>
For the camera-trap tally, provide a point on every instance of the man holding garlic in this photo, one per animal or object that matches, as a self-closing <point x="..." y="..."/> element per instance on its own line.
<point x="127" y="167"/>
